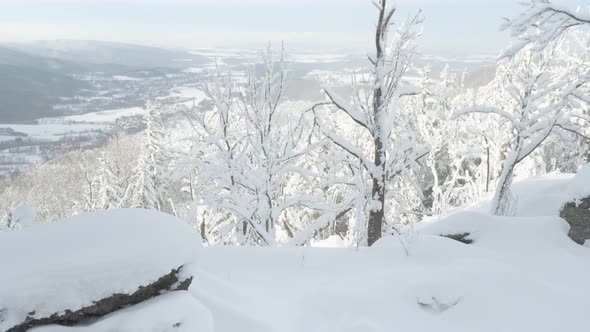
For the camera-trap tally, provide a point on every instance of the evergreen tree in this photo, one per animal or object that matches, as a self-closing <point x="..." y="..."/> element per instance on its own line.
<point x="146" y="185"/>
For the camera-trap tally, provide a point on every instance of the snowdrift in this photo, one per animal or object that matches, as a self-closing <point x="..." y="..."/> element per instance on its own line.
<point x="54" y="270"/>
<point x="518" y="274"/>
<point x="511" y="278"/>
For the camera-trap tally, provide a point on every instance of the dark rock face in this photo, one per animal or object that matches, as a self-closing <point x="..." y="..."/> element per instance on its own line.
<point x="167" y="283"/>
<point x="577" y="214"/>
<point x="463" y="237"/>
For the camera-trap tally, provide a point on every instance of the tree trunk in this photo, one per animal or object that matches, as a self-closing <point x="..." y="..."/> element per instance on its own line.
<point x="487" y="164"/>
<point x="377" y="211"/>
<point x="376" y="214"/>
<point x="503" y="202"/>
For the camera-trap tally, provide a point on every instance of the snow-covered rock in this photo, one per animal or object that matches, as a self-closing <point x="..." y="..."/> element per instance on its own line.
<point x="579" y="186"/>
<point x="577" y="210"/>
<point x="541" y="198"/>
<point x="71" y="264"/>
<point x="172" y="312"/>
<point x="519" y="234"/>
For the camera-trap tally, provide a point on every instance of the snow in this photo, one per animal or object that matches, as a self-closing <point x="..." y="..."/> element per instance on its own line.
<point x="545" y="195"/>
<point x="548" y="233"/>
<point x="187" y="92"/>
<point x="222" y="53"/>
<point x="52" y="132"/>
<point x="191" y="95"/>
<point x="333" y="241"/>
<point x="24" y="215"/>
<point x="107" y="116"/>
<point x="579" y="187"/>
<point x="195" y="70"/>
<point x="532" y="278"/>
<point x="71" y="263"/>
<point x="316" y="58"/>
<point x="520" y="274"/>
<point x="175" y="311"/>
<point x="125" y="78"/>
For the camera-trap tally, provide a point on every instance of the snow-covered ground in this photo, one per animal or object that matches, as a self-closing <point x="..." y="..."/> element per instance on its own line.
<point x="545" y="195"/>
<point x="520" y="273"/>
<point x="108" y="116"/>
<point x="51" y="132"/>
<point x="530" y="279"/>
<point x="188" y="95"/>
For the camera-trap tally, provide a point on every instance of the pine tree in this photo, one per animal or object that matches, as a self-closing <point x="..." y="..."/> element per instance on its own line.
<point x="110" y="194"/>
<point x="147" y="179"/>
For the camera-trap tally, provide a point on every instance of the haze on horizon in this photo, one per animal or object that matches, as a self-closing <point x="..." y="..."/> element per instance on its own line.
<point x="451" y="26"/>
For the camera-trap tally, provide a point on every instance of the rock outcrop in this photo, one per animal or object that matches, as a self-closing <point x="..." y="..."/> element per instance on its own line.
<point x="167" y="283"/>
<point x="577" y="214"/>
<point x="74" y="271"/>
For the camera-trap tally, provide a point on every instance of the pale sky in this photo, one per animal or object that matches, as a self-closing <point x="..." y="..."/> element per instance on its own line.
<point x="462" y="26"/>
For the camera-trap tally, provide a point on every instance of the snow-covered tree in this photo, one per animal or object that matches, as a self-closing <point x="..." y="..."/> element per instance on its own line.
<point x="539" y="97"/>
<point x="145" y="191"/>
<point x="431" y="111"/>
<point x="114" y="179"/>
<point x="248" y="151"/>
<point x="110" y="194"/>
<point x="543" y="22"/>
<point x="374" y="109"/>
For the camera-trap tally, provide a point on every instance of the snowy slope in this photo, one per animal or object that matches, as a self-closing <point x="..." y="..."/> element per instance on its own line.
<point x="534" y="281"/>
<point x="69" y="264"/>
<point x="519" y="274"/>
<point x="544" y="195"/>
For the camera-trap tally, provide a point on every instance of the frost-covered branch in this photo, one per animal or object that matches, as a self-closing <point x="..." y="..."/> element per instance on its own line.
<point x="541" y="23"/>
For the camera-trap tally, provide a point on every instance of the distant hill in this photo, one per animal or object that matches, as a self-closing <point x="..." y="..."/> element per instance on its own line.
<point x="480" y="76"/>
<point x="34" y="76"/>
<point x="99" y="52"/>
<point x="30" y="85"/>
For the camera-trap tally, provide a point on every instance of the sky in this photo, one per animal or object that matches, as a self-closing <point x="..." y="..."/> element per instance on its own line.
<point x="451" y="26"/>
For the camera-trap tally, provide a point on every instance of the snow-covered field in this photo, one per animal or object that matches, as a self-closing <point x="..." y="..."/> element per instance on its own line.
<point x="51" y="131"/>
<point x="188" y="95"/>
<point x="108" y="116"/>
<point x="27" y="144"/>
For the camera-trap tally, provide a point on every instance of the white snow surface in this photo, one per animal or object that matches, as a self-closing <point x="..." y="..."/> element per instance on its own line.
<point x="515" y="277"/>
<point x="545" y="195"/>
<point x="69" y="264"/>
<point x="107" y="116"/>
<point x="579" y="186"/>
<point x="52" y="132"/>
<point x="520" y="274"/>
<point x="190" y="95"/>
